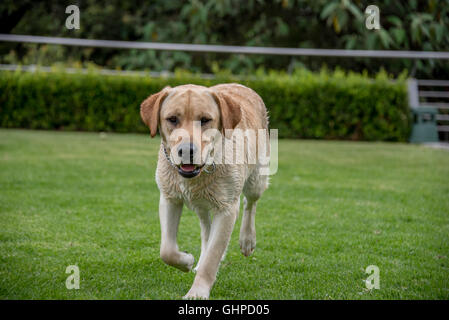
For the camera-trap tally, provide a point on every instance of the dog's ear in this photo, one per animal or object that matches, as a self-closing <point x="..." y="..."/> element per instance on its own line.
<point x="231" y="114"/>
<point x="149" y="109"/>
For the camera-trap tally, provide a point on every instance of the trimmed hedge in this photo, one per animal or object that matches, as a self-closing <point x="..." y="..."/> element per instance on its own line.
<point x="303" y="105"/>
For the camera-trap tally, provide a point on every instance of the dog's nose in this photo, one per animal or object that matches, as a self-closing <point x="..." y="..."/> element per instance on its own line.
<point x="186" y="152"/>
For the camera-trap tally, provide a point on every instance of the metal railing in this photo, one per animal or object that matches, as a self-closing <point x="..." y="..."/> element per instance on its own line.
<point x="392" y="54"/>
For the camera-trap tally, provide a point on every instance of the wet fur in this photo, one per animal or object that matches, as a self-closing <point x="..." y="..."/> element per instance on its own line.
<point x="214" y="195"/>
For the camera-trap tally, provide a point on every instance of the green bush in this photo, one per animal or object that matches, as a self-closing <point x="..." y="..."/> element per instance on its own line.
<point x="303" y="105"/>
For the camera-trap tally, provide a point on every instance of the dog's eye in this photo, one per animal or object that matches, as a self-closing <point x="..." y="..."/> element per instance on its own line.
<point x="204" y="120"/>
<point x="172" y="120"/>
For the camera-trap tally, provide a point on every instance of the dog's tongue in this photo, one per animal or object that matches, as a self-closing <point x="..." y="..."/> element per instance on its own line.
<point x="188" y="167"/>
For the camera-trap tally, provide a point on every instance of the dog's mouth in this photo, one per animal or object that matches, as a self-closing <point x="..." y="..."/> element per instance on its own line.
<point x="189" y="170"/>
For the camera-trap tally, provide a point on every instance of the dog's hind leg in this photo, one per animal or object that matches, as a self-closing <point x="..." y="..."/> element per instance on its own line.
<point x="248" y="228"/>
<point x="253" y="189"/>
<point x="169" y="214"/>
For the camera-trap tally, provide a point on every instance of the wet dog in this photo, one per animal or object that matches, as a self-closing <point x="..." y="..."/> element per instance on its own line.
<point x="193" y="122"/>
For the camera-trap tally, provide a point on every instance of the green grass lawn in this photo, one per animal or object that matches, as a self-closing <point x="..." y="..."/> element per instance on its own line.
<point x="332" y="209"/>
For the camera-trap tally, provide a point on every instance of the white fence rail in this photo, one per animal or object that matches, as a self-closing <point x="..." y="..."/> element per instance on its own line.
<point x="392" y="54"/>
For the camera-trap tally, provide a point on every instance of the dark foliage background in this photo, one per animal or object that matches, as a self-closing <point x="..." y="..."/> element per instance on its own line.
<point x="336" y="24"/>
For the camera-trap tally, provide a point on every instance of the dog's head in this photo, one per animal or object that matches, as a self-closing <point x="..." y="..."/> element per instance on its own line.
<point x="189" y="118"/>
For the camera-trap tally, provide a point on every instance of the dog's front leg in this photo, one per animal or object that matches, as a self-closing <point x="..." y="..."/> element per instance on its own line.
<point x="220" y="233"/>
<point x="205" y="224"/>
<point x="169" y="214"/>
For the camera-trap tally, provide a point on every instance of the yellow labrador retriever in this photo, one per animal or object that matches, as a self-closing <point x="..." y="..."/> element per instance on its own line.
<point x="202" y="165"/>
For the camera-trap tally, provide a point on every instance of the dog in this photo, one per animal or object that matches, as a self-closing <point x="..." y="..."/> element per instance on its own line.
<point x="189" y="171"/>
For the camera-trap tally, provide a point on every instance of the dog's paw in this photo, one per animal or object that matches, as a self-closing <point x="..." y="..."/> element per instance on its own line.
<point x="247" y="244"/>
<point x="197" y="293"/>
<point x="188" y="260"/>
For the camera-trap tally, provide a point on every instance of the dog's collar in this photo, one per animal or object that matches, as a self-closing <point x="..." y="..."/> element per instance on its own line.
<point x="168" y="158"/>
<point x="206" y="169"/>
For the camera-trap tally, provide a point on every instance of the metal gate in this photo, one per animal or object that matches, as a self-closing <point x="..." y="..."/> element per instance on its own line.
<point x="432" y="93"/>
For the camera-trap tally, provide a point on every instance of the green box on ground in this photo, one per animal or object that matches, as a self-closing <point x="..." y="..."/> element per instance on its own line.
<point x="424" y="127"/>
